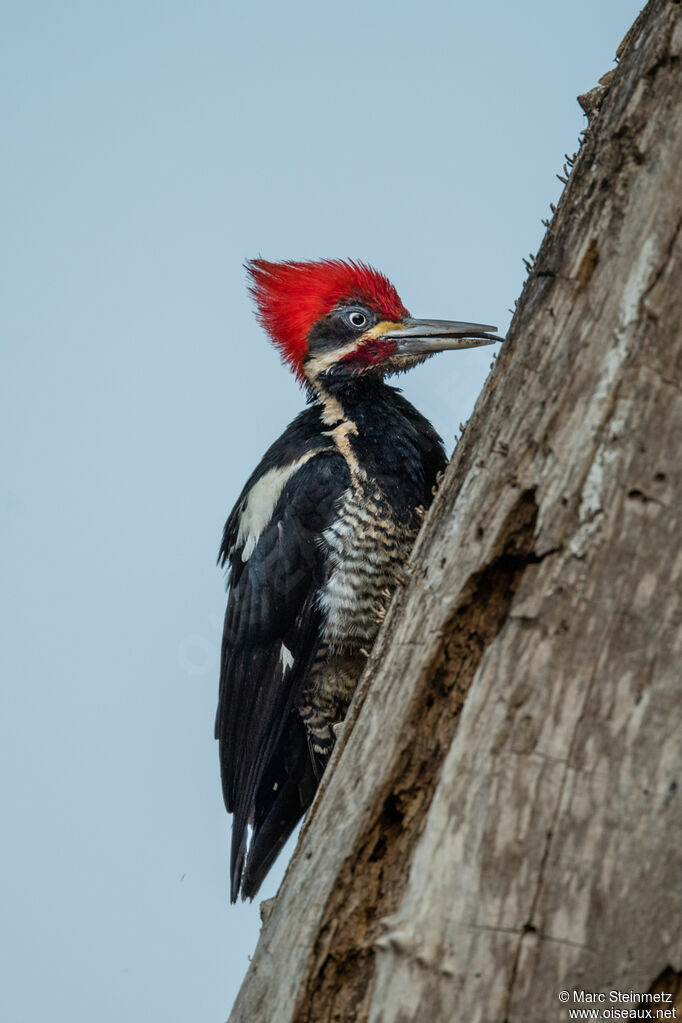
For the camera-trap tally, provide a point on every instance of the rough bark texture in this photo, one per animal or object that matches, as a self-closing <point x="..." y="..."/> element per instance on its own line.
<point x="503" y="819"/>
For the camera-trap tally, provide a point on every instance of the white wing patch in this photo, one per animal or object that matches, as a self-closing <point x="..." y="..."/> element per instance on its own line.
<point x="285" y="658"/>
<point x="260" y="504"/>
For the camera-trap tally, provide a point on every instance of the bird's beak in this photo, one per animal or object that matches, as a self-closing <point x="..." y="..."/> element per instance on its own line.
<point x="422" y="337"/>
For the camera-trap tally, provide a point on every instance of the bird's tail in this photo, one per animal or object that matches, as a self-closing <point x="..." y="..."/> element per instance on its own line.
<point x="281" y="802"/>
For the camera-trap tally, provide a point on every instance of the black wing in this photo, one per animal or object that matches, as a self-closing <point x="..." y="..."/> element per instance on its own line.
<point x="428" y="443"/>
<point x="271" y="635"/>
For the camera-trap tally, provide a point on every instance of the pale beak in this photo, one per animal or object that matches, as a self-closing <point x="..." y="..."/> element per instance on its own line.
<point x="422" y="337"/>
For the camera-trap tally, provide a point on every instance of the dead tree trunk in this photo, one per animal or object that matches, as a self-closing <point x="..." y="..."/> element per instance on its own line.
<point x="503" y="819"/>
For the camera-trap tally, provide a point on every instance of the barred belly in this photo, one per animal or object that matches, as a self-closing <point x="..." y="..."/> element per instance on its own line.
<point x="367" y="549"/>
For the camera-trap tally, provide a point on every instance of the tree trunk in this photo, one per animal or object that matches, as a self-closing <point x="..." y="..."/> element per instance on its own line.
<point x="502" y="821"/>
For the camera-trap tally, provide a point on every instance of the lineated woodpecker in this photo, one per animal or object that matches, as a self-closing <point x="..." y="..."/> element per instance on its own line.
<point x="317" y="538"/>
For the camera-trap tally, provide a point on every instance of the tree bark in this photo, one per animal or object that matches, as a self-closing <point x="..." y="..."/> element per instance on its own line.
<point x="502" y="820"/>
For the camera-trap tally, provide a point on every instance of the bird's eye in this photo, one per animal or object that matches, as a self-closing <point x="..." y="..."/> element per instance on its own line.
<point x="357" y="319"/>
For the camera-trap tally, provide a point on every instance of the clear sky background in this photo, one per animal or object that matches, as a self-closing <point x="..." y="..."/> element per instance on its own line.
<point x="147" y="148"/>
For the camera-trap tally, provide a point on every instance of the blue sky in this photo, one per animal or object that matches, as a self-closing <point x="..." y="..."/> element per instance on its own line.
<point x="148" y="149"/>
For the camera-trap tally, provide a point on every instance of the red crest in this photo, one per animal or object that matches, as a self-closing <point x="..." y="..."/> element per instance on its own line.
<point x="292" y="296"/>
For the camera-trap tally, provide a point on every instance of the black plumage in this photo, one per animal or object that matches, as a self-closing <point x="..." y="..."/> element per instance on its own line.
<point x="269" y="772"/>
<point x="317" y="539"/>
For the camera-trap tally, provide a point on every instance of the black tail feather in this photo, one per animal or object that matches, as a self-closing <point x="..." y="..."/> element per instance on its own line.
<point x="237" y="856"/>
<point x="284" y="795"/>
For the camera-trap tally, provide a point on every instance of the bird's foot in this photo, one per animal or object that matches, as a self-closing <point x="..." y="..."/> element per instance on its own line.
<point x="338" y="730"/>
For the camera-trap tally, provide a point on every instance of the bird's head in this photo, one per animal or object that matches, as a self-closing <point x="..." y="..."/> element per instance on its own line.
<point x="333" y="319"/>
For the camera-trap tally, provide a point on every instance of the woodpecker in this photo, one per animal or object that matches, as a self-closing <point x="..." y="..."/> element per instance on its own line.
<point x="318" y="536"/>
